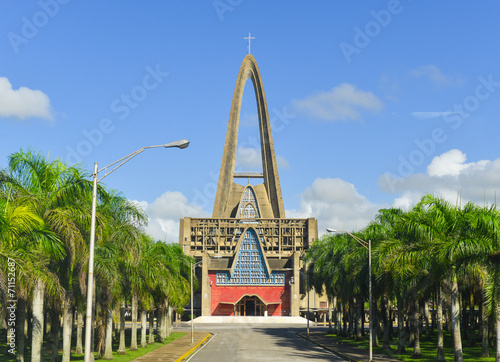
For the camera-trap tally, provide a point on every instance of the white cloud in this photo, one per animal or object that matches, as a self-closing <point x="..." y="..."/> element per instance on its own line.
<point x="249" y="159"/>
<point x="249" y="120"/>
<point x="343" y="102"/>
<point x="406" y="201"/>
<point x="23" y="103"/>
<point x="448" y="176"/>
<point x="336" y="204"/>
<point x="449" y="163"/>
<point x="433" y="74"/>
<point x="282" y="163"/>
<point x="165" y="212"/>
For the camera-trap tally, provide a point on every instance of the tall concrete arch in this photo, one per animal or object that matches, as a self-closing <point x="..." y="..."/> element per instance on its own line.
<point x="227" y="189"/>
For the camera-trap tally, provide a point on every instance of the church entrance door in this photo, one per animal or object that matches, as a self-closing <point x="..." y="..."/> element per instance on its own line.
<point x="250" y="306"/>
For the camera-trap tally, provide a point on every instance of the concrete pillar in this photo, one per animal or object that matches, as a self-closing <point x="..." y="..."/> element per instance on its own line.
<point x="185" y="235"/>
<point x="205" y="286"/>
<point x="294" y="288"/>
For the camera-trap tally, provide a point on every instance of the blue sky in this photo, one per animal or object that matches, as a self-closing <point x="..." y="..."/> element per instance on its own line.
<point x="373" y="103"/>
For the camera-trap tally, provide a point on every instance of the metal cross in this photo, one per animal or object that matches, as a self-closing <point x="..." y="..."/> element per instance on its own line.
<point x="249" y="39"/>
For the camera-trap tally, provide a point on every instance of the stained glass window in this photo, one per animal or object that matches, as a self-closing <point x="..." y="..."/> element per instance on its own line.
<point x="248" y="208"/>
<point x="250" y="268"/>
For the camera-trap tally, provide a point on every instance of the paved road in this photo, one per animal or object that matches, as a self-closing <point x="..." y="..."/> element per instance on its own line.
<point x="252" y="342"/>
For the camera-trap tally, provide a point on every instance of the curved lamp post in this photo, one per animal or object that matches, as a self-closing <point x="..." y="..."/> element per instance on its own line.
<point x="367" y="246"/>
<point x="192" y="297"/>
<point x="90" y="283"/>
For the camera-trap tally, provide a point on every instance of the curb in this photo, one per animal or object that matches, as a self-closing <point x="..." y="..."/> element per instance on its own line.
<point x="338" y="354"/>
<point x="193" y="349"/>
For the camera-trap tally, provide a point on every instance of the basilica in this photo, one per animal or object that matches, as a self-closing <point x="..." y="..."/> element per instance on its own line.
<point x="249" y="255"/>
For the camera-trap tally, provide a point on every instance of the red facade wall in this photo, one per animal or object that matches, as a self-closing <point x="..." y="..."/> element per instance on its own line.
<point x="232" y="294"/>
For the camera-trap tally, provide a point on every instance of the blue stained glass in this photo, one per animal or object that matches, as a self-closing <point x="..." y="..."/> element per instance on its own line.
<point x="250" y="268"/>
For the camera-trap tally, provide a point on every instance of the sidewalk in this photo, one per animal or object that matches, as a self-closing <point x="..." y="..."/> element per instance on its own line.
<point x="345" y="351"/>
<point x="177" y="350"/>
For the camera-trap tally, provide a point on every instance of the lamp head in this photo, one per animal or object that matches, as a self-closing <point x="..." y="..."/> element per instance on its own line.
<point x="179" y="144"/>
<point x="330" y="230"/>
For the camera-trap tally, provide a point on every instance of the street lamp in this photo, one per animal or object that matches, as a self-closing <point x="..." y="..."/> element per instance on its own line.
<point x="123" y="160"/>
<point x="193" y="266"/>
<point x="368" y="246"/>
<point x="192" y="297"/>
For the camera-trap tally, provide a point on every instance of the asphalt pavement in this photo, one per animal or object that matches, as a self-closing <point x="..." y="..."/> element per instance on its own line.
<point x="182" y="349"/>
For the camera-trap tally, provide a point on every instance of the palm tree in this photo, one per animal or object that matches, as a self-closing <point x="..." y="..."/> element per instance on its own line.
<point x="19" y="226"/>
<point x="173" y="291"/>
<point x="482" y="258"/>
<point x="455" y="243"/>
<point x="339" y="264"/>
<point x="53" y="190"/>
<point x="119" y="238"/>
<point x="317" y="260"/>
<point x="493" y="298"/>
<point x="384" y="232"/>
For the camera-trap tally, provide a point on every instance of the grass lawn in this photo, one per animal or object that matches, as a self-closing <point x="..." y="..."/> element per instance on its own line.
<point x="427" y="347"/>
<point x="5" y="356"/>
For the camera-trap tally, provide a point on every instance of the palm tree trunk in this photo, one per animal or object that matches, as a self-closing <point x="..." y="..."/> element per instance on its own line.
<point x="330" y="329"/>
<point x="401" y="327"/>
<point x="497" y="327"/>
<point x="416" y="326"/>
<point x="54" y="331"/>
<point x="350" y="330"/>
<point x="439" y="322"/>
<point x="79" y="335"/>
<point x="151" y="338"/>
<point x="485" y="351"/>
<point x="426" y="319"/>
<point x="387" y="323"/>
<point x="37" y="328"/>
<point x="340" y="319"/>
<point x="144" y="317"/>
<point x="101" y="330"/>
<point x="108" y="349"/>
<point x="472" y="321"/>
<point x="121" y="347"/>
<point x="158" y="323"/>
<point x="67" y="325"/>
<point x="377" y="330"/>
<point x="151" y="326"/>
<point x="359" y="317"/>
<point x="164" y="326"/>
<point x="20" y="322"/>
<point x="170" y="326"/>
<point x="133" y="344"/>
<point x="455" y="321"/>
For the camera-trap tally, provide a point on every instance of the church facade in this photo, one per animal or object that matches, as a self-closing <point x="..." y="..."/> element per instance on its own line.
<point x="249" y="254"/>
